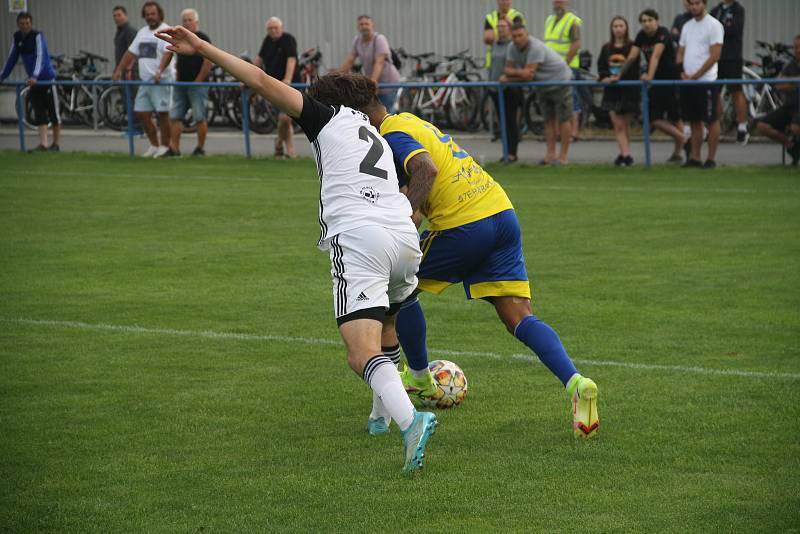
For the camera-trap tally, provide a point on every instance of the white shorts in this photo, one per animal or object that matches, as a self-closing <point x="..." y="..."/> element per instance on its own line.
<point x="372" y="267"/>
<point x="153" y="98"/>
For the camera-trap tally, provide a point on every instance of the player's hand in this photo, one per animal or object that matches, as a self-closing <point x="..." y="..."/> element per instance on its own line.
<point x="503" y="78"/>
<point x="116" y="75"/>
<point x="157" y="77"/>
<point x="31" y="82"/>
<point x="645" y="77"/>
<point x="685" y="76"/>
<point x="612" y="79"/>
<point x="181" y="40"/>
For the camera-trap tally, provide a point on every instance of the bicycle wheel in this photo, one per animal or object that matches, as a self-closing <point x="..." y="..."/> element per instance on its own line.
<point x="263" y="116"/>
<point x="84" y="105"/>
<point x="112" y="108"/>
<point x="405" y="100"/>
<point x="27" y="106"/>
<point x="533" y="115"/>
<point x="463" y="106"/>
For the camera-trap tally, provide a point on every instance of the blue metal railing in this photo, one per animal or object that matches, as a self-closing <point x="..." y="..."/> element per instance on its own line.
<point x="500" y="87"/>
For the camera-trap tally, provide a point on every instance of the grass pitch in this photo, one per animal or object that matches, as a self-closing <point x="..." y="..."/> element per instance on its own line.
<point x="169" y="361"/>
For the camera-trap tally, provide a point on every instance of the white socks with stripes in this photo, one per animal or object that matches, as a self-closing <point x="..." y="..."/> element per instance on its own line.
<point x="382" y="376"/>
<point x="378" y="409"/>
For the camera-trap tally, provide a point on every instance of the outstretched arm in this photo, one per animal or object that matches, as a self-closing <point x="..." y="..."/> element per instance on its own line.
<point x="287" y="98"/>
<point x="421" y="174"/>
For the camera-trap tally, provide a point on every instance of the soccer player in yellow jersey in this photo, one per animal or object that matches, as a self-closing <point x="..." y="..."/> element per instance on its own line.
<point x="473" y="238"/>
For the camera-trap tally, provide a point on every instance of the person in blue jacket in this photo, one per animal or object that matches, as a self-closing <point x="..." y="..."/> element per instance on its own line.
<point x="31" y="46"/>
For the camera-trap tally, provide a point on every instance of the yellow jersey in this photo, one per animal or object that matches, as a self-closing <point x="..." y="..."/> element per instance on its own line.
<point x="462" y="192"/>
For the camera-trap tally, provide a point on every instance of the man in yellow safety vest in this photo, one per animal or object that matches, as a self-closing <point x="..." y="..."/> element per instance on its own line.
<point x="504" y="10"/>
<point x="562" y="34"/>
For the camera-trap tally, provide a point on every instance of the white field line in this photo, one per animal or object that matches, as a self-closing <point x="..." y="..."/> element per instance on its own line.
<point x="133" y="329"/>
<point x="516" y="184"/>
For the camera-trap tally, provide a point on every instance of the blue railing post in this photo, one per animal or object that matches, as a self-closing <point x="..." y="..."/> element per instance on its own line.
<point x="129" y="113"/>
<point x="501" y="120"/>
<point x="20" y="117"/>
<point x="648" y="156"/>
<point x="246" y="120"/>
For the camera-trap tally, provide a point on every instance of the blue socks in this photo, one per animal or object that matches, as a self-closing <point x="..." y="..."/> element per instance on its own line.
<point x="544" y="341"/>
<point x="412" y="331"/>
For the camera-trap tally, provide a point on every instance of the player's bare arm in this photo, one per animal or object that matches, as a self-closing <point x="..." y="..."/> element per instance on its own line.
<point x="184" y="42"/>
<point x="655" y="60"/>
<point x="633" y="56"/>
<point x="714" y="53"/>
<point x="421" y="174"/>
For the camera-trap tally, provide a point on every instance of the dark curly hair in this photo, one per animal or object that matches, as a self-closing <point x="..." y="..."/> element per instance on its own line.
<point x="352" y="90"/>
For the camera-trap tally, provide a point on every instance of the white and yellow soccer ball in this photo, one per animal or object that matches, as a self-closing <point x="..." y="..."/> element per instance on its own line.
<point x="451" y="385"/>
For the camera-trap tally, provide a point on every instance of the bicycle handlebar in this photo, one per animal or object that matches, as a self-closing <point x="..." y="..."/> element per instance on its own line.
<point x="93" y="56"/>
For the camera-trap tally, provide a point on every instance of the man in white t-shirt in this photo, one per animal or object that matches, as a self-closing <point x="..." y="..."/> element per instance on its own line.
<point x="699" y="51"/>
<point x="149" y="50"/>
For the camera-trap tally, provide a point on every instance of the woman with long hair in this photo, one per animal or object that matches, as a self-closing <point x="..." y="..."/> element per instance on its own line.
<point x="622" y="103"/>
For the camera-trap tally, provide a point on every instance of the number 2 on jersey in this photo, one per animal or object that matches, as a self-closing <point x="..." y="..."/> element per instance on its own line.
<point x="375" y="152"/>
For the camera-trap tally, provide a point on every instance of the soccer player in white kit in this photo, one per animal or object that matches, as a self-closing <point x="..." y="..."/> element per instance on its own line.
<point x="365" y="224"/>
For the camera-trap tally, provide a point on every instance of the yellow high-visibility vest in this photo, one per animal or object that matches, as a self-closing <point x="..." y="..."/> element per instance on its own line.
<point x="493" y="18"/>
<point x="556" y="35"/>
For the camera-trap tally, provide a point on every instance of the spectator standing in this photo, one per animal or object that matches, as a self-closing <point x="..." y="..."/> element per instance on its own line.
<point x="491" y="32"/>
<point x="376" y="60"/>
<point x="681" y="19"/>
<point x="774" y="124"/>
<point x="278" y="57"/>
<point x="123" y="38"/>
<point x="732" y="15"/>
<point x="499" y="52"/>
<point x="699" y="50"/>
<point x="655" y="42"/>
<point x="622" y="103"/>
<point x="190" y="68"/>
<point x="149" y="51"/>
<point x="31" y="46"/>
<point x="530" y="59"/>
<point x="562" y="34"/>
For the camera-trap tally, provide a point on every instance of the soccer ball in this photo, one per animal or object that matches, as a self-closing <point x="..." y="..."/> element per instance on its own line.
<point x="452" y="384"/>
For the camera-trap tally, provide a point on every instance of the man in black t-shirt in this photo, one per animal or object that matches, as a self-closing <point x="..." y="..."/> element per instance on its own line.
<point x="278" y="58"/>
<point x="189" y="69"/>
<point x="731" y="14"/>
<point x="656" y="44"/>
<point x="774" y="124"/>
<point x="680" y="20"/>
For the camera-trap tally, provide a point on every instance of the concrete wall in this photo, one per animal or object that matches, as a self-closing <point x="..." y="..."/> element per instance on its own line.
<point x="445" y="26"/>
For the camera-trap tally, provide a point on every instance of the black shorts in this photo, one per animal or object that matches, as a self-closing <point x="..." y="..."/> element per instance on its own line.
<point x="700" y="103"/>
<point x="664" y="103"/>
<point x="44" y="104"/>
<point x="730" y="70"/>
<point x="781" y="118"/>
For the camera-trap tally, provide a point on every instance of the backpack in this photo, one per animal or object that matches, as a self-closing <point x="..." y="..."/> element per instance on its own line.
<point x="393" y="55"/>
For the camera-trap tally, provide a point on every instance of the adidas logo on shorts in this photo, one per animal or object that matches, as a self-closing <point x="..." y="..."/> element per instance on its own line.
<point x="361" y="297"/>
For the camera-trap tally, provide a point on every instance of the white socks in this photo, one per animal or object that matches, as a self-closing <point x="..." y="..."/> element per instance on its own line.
<point x="382" y="376"/>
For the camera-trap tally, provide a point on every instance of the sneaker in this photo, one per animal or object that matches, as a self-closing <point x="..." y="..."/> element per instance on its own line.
<point x="675" y="158"/>
<point x="742" y="136"/>
<point x="40" y="148"/>
<point x="169" y="154"/>
<point x="710" y="164"/>
<point x="585" y="419"/>
<point x="150" y="152"/>
<point x="54" y="148"/>
<point x="161" y="151"/>
<point x="627" y="161"/>
<point x="693" y="163"/>
<point x="198" y="152"/>
<point x="415" y="437"/>
<point x="377" y="426"/>
<point x="619" y="161"/>
<point x="687" y="149"/>
<point x="422" y="387"/>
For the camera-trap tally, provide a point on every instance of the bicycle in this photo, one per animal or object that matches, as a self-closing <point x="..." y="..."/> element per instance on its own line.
<point x="761" y="98"/>
<point x="76" y="102"/>
<point x="455" y="107"/>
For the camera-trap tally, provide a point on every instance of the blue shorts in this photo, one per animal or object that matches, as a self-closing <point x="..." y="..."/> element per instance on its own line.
<point x="184" y="97"/>
<point x="485" y="255"/>
<point x="153" y="98"/>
